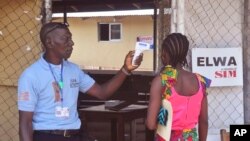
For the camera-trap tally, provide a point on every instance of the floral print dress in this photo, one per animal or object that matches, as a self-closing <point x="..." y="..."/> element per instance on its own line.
<point x="168" y="79"/>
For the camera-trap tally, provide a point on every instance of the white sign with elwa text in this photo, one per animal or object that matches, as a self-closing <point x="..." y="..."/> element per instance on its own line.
<point x="222" y="65"/>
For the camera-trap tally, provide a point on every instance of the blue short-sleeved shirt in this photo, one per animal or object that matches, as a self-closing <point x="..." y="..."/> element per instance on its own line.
<point x="37" y="94"/>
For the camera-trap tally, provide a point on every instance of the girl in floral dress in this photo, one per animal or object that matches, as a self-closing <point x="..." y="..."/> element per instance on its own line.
<point x="178" y="98"/>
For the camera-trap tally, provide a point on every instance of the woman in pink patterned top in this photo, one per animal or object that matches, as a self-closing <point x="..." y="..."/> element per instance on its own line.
<point x="178" y="98"/>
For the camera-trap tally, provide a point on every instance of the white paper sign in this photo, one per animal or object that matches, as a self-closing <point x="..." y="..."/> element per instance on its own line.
<point x="222" y="65"/>
<point x="146" y="39"/>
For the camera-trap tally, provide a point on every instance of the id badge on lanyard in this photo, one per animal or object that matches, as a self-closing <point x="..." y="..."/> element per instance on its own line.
<point x="62" y="112"/>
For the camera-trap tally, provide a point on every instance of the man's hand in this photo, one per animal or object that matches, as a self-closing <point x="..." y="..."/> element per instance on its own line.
<point x="128" y="61"/>
<point x="105" y="90"/>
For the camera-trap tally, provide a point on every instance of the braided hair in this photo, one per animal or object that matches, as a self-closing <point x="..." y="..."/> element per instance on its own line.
<point x="176" y="46"/>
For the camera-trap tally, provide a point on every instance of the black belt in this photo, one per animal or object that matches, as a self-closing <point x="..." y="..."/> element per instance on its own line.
<point x="65" y="133"/>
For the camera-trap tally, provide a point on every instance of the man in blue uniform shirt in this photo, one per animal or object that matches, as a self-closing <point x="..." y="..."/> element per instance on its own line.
<point x="48" y="89"/>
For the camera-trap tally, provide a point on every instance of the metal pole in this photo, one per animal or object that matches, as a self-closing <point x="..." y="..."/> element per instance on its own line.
<point x="173" y="16"/>
<point x="155" y="56"/>
<point x="246" y="66"/>
<point x="65" y="14"/>
<point x="48" y="10"/>
<point x="180" y="16"/>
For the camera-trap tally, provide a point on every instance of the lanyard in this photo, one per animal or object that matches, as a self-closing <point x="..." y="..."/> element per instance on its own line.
<point x="60" y="82"/>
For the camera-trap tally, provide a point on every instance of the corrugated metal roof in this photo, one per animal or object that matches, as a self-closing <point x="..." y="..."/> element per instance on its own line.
<point x="60" y="6"/>
<point x="108" y="13"/>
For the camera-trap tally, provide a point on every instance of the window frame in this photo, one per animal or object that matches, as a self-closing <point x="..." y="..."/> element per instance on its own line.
<point x="109" y="32"/>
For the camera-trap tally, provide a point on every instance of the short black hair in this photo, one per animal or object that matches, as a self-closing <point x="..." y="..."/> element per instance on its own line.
<point x="176" y="45"/>
<point x="49" y="27"/>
